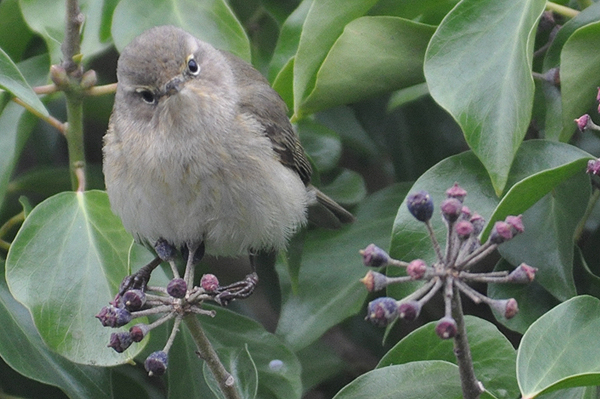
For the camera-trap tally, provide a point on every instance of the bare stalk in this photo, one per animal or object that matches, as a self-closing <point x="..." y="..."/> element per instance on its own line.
<point x="471" y="387"/>
<point x="207" y="353"/>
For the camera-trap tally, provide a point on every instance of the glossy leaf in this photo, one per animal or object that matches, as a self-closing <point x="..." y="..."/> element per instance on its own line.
<point x="16" y="125"/>
<point x="14" y="40"/>
<point x="240" y="364"/>
<point x="533" y="299"/>
<point x="586" y="16"/>
<point x="319" y="33"/>
<point x="64" y="265"/>
<point x="329" y="289"/>
<point x="344" y="122"/>
<point x="579" y="76"/>
<point x="347" y="188"/>
<point x="321" y="143"/>
<point x="13" y="81"/>
<point x="33" y="359"/>
<point x="289" y="37"/>
<point x="416" y="380"/>
<point x="547" y="242"/>
<point x="231" y="334"/>
<point x="568" y="335"/>
<point x="478" y="67"/>
<point x="211" y="20"/>
<point x="539" y="167"/>
<point x="493" y="355"/>
<point x="47" y="19"/>
<point x="373" y="55"/>
<point x="426" y="11"/>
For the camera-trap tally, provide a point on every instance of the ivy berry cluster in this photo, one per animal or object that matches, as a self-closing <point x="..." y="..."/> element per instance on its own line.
<point x="452" y="272"/>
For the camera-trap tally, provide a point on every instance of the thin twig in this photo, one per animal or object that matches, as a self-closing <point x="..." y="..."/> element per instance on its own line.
<point x="434" y="241"/>
<point x="207" y="352"/>
<point x="561" y="10"/>
<point x="46" y="89"/>
<point x="101" y="90"/>
<point x="471" y="387"/>
<point x="52" y="121"/>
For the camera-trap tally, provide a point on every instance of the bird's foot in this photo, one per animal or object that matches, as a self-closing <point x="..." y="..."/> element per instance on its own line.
<point x="239" y="290"/>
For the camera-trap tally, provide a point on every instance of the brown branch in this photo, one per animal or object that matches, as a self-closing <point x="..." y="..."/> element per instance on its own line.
<point x="71" y="46"/>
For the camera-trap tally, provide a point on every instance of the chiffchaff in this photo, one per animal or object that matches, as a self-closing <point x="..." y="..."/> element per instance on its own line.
<point x="200" y="153"/>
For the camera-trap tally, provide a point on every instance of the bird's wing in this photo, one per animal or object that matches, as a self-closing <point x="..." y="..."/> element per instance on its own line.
<point x="265" y="104"/>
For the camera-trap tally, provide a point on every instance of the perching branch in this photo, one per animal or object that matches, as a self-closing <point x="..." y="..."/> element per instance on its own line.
<point x="207" y="353"/>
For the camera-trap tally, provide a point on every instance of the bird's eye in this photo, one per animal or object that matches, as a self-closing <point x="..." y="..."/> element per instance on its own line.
<point x="193" y="66"/>
<point x="148" y="96"/>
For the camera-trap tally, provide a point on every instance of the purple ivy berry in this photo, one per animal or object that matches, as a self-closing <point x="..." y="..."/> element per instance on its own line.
<point x="516" y="222"/>
<point x="382" y="311"/>
<point x="409" y="310"/>
<point x="506" y="307"/>
<point x="464" y="229"/>
<point x="374" y="281"/>
<point x="457" y="192"/>
<point x="465" y="213"/>
<point x="420" y="205"/>
<point x="138" y="332"/>
<point x="416" y="269"/>
<point x="177" y="288"/>
<point x="120" y="341"/>
<point x="134" y="299"/>
<point x="523" y="274"/>
<point x="209" y="282"/>
<point x="156" y="363"/>
<point x="111" y="316"/>
<point x="478" y="223"/>
<point x="373" y="256"/>
<point x="501" y="232"/>
<point x="593" y="167"/>
<point x="446" y="328"/>
<point x="582" y="122"/>
<point x="451" y="209"/>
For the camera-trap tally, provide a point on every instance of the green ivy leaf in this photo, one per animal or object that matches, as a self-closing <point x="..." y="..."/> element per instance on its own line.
<point x="478" y="67"/>
<point x="415" y="380"/>
<point x="33" y="359"/>
<point x="533" y="299"/>
<point x="14" y="40"/>
<point x="547" y="242"/>
<point x="328" y="288"/>
<point x="579" y="76"/>
<point x="586" y="16"/>
<point x="240" y="364"/>
<point x="210" y="20"/>
<point x="47" y="19"/>
<point x="13" y="81"/>
<point x="319" y="33"/>
<point x="289" y="37"/>
<point x="321" y="143"/>
<point x="15" y="124"/>
<point x="373" y="55"/>
<point x="493" y="355"/>
<point x="241" y="343"/>
<point x="568" y="335"/>
<point x="347" y="188"/>
<point x="64" y="265"/>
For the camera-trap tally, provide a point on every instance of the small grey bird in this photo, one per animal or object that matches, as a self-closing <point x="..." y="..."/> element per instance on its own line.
<point x="200" y="153"/>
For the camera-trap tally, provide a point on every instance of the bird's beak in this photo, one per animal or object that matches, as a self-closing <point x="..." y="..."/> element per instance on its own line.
<point x="173" y="86"/>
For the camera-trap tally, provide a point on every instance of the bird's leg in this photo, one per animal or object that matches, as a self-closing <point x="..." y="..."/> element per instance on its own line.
<point x="195" y="255"/>
<point x="139" y="280"/>
<point x="241" y="289"/>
